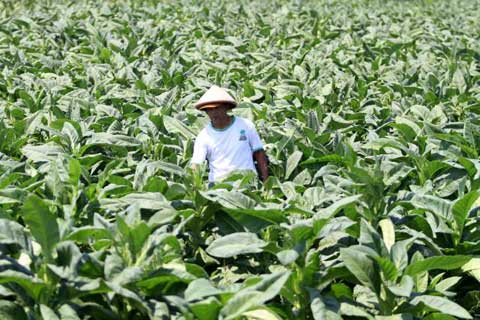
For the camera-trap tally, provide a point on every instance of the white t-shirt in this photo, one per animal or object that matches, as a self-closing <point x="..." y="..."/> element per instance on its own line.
<point x="227" y="149"/>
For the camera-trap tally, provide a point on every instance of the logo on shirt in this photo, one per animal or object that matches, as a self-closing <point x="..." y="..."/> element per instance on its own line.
<point x="243" y="136"/>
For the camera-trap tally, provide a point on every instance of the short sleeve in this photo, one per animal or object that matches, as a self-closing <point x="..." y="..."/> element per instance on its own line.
<point x="254" y="138"/>
<point x="199" y="150"/>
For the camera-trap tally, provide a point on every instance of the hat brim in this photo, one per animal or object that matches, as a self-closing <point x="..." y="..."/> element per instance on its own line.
<point x="215" y="104"/>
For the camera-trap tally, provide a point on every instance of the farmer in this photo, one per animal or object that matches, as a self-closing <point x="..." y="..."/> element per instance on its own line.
<point x="229" y="142"/>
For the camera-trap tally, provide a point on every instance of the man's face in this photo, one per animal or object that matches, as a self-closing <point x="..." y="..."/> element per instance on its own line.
<point x="216" y="113"/>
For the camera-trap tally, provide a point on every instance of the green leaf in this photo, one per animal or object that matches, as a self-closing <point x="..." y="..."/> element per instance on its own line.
<point x="404" y="288"/>
<point x="436" y="205"/>
<point x="66" y="312"/>
<point x="235" y="244"/>
<point x="321" y="312"/>
<point x="261" y="314"/>
<point x="11" y="311"/>
<point x="33" y="286"/>
<point x="473" y="268"/>
<point x="206" y="309"/>
<point x="256" y="295"/>
<point x="87" y="233"/>
<point x="175" y="126"/>
<point x="388" y="268"/>
<point x="443" y="305"/>
<point x="436" y="263"/>
<point x="229" y="199"/>
<point x="42" y="223"/>
<point x="360" y="266"/>
<point x="403" y="316"/>
<point x="199" y="289"/>
<point x="241" y="302"/>
<point x="462" y="207"/>
<point x="292" y="163"/>
<point x="446" y="284"/>
<point x="272" y="216"/>
<point x="439" y="316"/>
<point x="388" y="232"/>
<point x="144" y="200"/>
<point x="399" y="254"/>
<point x="48" y="313"/>
<point x="75" y="171"/>
<point x="13" y="232"/>
<point x="287" y="256"/>
<point x="333" y="209"/>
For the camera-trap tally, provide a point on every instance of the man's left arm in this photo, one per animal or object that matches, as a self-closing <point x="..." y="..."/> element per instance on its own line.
<point x="259" y="154"/>
<point x="262" y="163"/>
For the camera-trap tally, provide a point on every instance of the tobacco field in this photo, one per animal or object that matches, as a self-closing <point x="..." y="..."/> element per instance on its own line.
<point x="370" y="116"/>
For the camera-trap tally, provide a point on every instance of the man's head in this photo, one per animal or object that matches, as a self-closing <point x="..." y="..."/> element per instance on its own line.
<point x="216" y="111"/>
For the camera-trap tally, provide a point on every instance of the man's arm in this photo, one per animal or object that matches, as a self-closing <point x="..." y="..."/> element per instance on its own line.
<point x="199" y="153"/>
<point x="262" y="163"/>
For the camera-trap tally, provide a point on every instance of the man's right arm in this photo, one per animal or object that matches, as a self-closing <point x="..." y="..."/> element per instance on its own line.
<point x="199" y="152"/>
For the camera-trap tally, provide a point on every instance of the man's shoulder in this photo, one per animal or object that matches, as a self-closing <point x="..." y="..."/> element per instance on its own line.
<point x="203" y="134"/>
<point x="245" y="121"/>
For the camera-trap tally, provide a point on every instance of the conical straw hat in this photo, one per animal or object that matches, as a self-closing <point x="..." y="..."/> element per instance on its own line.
<point x="214" y="97"/>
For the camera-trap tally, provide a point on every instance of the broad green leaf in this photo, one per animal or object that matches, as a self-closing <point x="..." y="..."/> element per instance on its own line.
<point x="48" y="313"/>
<point x="235" y="244"/>
<point x="32" y="286"/>
<point x="348" y="309"/>
<point x="436" y="205"/>
<point x="42" y="224"/>
<point x="388" y="268"/>
<point x="261" y="314"/>
<point x="241" y="302"/>
<point x="404" y="288"/>
<point x="229" y="199"/>
<point x="41" y="153"/>
<point x="361" y="267"/>
<point x="175" y="126"/>
<point x="292" y="163"/>
<point x="199" y="289"/>
<point x="473" y="268"/>
<point x="333" y="209"/>
<point x="398" y="253"/>
<point x="272" y="216"/>
<point x="446" y="284"/>
<point x="87" y="233"/>
<point x="256" y="295"/>
<point x="287" y="256"/>
<point x="75" y="171"/>
<point x="144" y="200"/>
<point x="206" y="309"/>
<point x="66" y="312"/>
<point x="321" y="312"/>
<point x="11" y="311"/>
<point x="13" y="232"/>
<point x="439" y="316"/>
<point x="443" y="305"/>
<point x="403" y="316"/>
<point x="388" y="232"/>
<point x="437" y="263"/>
<point x="461" y="209"/>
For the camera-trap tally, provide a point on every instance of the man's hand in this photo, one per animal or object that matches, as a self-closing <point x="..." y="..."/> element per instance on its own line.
<point x="262" y="162"/>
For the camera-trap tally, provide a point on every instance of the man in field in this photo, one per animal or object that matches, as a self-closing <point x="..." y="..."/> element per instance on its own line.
<point x="229" y="143"/>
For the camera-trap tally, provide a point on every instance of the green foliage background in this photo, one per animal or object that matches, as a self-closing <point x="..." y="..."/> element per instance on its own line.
<point x="369" y="111"/>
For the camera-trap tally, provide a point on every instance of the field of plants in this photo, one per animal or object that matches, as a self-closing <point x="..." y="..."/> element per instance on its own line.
<point x="370" y="116"/>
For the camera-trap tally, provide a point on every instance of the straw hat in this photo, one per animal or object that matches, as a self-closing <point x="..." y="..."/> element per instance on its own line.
<point x="214" y="97"/>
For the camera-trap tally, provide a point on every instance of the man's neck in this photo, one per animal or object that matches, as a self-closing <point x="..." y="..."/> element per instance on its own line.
<point x="223" y="122"/>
